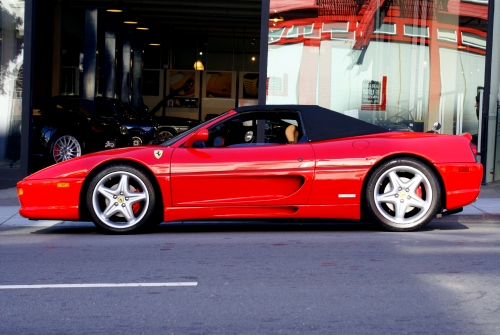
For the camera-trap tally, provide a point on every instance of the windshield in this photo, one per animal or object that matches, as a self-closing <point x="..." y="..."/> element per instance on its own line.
<point x="85" y="112"/>
<point x="131" y="111"/>
<point x="190" y="131"/>
<point x="120" y="109"/>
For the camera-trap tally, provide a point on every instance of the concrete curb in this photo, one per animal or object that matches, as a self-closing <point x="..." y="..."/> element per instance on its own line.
<point x="486" y="217"/>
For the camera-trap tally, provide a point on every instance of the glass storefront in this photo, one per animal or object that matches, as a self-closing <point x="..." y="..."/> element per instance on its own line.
<point x="407" y="62"/>
<point x="11" y="81"/>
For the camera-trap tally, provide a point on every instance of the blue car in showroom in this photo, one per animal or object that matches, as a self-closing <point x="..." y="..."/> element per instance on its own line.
<point x="140" y="131"/>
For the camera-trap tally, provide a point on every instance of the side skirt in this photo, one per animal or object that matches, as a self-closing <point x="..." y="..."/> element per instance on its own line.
<point x="351" y="212"/>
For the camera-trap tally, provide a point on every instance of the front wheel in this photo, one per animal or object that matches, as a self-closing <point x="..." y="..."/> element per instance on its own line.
<point x="403" y="195"/>
<point x="121" y="199"/>
<point x="137" y="140"/>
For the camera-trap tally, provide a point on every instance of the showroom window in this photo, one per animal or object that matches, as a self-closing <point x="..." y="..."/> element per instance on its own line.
<point x="407" y="61"/>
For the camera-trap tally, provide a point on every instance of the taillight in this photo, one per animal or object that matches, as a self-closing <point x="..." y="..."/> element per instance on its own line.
<point x="97" y="130"/>
<point x="473" y="147"/>
<point x="467" y="135"/>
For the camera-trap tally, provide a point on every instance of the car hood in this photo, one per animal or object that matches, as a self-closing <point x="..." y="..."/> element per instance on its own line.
<point x="176" y="121"/>
<point x="179" y="121"/>
<point x="80" y="167"/>
<point x="138" y="124"/>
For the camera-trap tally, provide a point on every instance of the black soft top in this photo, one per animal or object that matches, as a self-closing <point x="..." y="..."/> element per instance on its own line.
<point x="321" y="123"/>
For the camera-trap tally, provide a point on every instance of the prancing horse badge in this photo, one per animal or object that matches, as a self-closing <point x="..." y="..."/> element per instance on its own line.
<point x="158" y="153"/>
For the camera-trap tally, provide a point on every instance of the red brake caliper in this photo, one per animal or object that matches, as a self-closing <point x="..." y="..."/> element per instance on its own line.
<point x="418" y="192"/>
<point x="137" y="206"/>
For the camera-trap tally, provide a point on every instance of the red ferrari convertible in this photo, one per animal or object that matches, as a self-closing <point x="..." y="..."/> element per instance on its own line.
<point x="241" y="165"/>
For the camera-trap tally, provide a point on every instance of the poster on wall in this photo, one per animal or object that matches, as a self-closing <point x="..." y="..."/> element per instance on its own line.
<point x="218" y="93"/>
<point x="182" y="83"/>
<point x="373" y="95"/>
<point x="371" y="92"/>
<point x="250" y="85"/>
<point x="248" y="92"/>
<point x="182" y="89"/>
<point x="219" y="85"/>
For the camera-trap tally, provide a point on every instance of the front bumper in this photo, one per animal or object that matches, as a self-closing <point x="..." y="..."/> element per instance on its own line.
<point x="50" y="199"/>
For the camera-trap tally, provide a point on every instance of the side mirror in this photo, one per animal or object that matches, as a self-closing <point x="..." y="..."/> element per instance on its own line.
<point x="199" y="135"/>
<point x="436" y="126"/>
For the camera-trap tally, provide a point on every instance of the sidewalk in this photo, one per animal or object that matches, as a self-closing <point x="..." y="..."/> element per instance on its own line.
<point x="486" y="208"/>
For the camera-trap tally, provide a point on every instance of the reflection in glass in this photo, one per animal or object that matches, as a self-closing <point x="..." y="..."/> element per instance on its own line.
<point x="11" y="81"/>
<point x="403" y="61"/>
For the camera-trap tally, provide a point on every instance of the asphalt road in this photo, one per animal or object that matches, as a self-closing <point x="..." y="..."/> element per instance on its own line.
<point x="253" y="279"/>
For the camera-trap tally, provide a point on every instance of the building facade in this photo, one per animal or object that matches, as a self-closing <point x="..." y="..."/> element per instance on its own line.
<point x="401" y="62"/>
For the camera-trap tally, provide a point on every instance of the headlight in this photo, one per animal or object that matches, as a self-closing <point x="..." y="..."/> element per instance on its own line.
<point x="123" y="130"/>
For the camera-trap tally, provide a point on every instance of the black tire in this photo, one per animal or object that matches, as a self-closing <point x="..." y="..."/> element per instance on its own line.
<point x="397" y="185"/>
<point x="136" y="140"/>
<point x="65" y="147"/>
<point x="121" y="199"/>
<point x="165" y="134"/>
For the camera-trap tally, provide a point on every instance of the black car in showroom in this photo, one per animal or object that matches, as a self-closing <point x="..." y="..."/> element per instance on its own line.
<point x="64" y="129"/>
<point x="141" y="131"/>
<point x="168" y="126"/>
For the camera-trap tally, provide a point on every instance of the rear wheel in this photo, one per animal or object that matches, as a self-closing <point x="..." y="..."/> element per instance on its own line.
<point x="121" y="199"/>
<point x="65" y="147"/>
<point x="403" y="195"/>
<point x="165" y="134"/>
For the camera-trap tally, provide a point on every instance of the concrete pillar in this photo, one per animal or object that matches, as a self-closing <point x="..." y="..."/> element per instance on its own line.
<point x="492" y="162"/>
<point x="125" y="68"/>
<point x="109" y="59"/>
<point x="89" y="59"/>
<point x="56" y="52"/>
<point x="137" y="74"/>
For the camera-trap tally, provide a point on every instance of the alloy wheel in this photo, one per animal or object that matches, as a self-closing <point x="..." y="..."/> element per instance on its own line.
<point x="66" y="147"/>
<point x="137" y="140"/>
<point x="164" y="135"/>
<point x="403" y="195"/>
<point x="120" y="200"/>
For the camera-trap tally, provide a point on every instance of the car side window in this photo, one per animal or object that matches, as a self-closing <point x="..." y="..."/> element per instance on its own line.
<point x="260" y="128"/>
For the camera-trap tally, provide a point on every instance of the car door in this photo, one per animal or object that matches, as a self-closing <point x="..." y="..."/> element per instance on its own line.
<point x="244" y="162"/>
<point x="253" y="175"/>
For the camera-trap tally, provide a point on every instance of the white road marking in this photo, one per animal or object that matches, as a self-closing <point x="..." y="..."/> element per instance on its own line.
<point x="9" y="287"/>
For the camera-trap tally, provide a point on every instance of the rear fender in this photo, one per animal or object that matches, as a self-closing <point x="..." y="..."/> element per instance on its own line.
<point x="438" y="175"/>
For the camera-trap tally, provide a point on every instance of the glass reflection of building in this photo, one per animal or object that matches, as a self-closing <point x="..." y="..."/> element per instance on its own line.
<point x="11" y="81"/>
<point x="413" y="61"/>
<point x="430" y="53"/>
